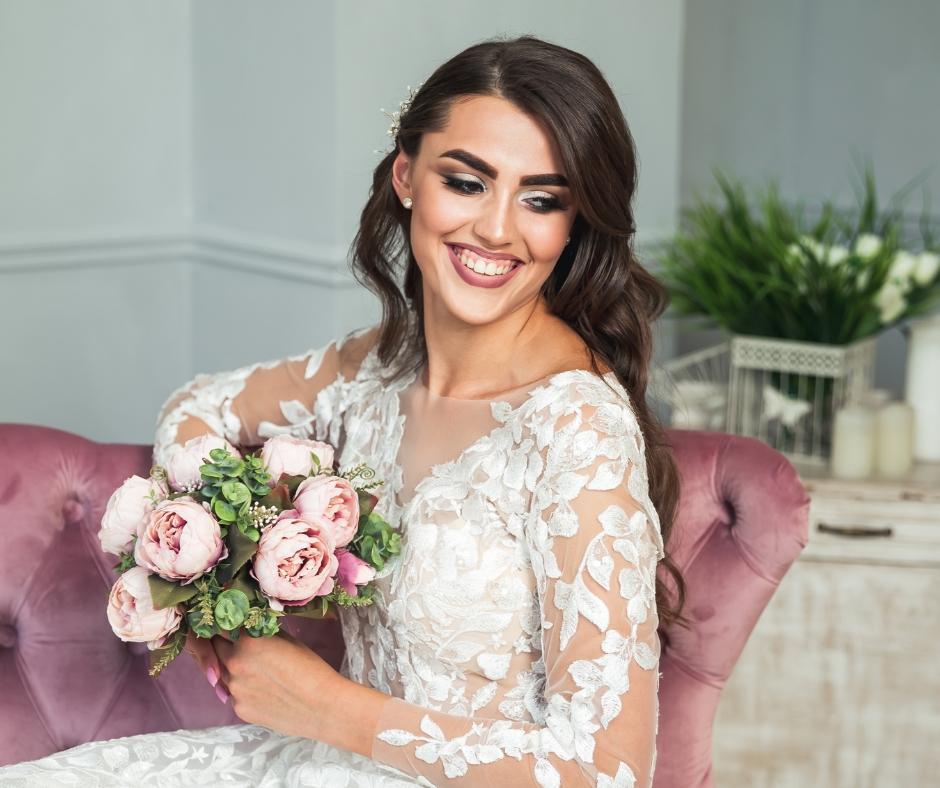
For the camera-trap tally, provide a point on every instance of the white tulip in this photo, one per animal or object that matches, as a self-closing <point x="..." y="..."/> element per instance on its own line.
<point x="890" y="301"/>
<point x="836" y="254"/>
<point x="868" y="245"/>
<point x="927" y="265"/>
<point x="795" y="252"/>
<point x="815" y="248"/>
<point x="902" y="269"/>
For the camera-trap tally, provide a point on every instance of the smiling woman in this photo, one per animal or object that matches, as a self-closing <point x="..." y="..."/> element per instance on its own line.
<point x="497" y="211"/>
<point x="515" y="638"/>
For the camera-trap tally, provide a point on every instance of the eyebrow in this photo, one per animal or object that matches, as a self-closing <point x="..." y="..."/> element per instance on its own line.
<point x="545" y="179"/>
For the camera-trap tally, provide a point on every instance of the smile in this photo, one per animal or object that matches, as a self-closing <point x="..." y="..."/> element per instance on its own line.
<point x="480" y="271"/>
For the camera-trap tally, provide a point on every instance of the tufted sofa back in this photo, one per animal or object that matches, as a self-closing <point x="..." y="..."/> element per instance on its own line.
<point x="65" y="679"/>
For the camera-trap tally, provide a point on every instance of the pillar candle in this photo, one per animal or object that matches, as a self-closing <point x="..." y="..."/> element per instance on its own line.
<point x="922" y="384"/>
<point x="894" y="442"/>
<point x="853" y="442"/>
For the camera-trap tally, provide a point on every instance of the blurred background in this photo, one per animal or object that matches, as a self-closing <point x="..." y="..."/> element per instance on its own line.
<point x="160" y="157"/>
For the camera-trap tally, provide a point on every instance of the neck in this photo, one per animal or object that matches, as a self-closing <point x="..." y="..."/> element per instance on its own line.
<point x="476" y="361"/>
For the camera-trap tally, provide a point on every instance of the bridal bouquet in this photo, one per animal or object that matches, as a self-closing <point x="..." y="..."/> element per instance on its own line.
<point x="216" y="541"/>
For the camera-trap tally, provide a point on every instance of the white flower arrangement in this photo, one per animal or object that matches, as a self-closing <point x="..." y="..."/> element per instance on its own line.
<point x="765" y="272"/>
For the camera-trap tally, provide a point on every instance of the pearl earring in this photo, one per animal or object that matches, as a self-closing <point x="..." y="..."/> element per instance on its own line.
<point x="407" y="202"/>
<point x="567" y="239"/>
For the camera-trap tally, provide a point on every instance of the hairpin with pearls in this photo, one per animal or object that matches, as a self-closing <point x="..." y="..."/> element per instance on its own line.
<point x="395" y="118"/>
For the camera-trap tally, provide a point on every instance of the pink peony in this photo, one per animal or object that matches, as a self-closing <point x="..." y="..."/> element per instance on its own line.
<point x="180" y="540"/>
<point x="132" y="615"/>
<point x="295" y="561"/>
<point x="353" y="572"/>
<point x="127" y="509"/>
<point x="183" y="463"/>
<point x="331" y="499"/>
<point x="285" y="454"/>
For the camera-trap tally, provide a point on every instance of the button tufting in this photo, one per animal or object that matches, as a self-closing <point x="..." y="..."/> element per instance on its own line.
<point x="7" y="636"/>
<point x="73" y="511"/>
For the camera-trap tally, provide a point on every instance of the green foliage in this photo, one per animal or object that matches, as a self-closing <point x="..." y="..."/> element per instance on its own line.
<point x="230" y="484"/>
<point x="376" y="540"/>
<point x="163" y="656"/>
<point x="166" y="593"/>
<point x="767" y="271"/>
<point x="231" y="608"/>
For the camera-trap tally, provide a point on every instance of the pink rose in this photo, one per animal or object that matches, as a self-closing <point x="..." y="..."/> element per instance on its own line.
<point x="180" y="540"/>
<point x="183" y="463"/>
<point x="333" y="499"/>
<point x="132" y="615"/>
<point x="353" y="572"/>
<point x="285" y="454"/>
<point x="127" y="509"/>
<point x="295" y="561"/>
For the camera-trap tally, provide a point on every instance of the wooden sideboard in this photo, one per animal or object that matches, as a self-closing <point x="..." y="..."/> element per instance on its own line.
<point x="839" y="685"/>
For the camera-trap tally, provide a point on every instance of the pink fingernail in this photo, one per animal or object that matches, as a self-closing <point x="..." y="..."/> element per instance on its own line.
<point x="212" y="675"/>
<point x="221" y="693"/>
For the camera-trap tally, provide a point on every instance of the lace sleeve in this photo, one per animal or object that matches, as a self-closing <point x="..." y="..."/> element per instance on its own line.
<point x="254" y="402"/>
<point x="594" y="543"/>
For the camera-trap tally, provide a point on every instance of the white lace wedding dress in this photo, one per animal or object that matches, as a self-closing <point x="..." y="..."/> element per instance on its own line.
<point x="515" y="634"/>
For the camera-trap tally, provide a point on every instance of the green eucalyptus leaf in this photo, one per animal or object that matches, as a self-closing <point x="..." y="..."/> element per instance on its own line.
<point x="231" y="607"/>
<point x="235" y="492"/>
<point x="223" y="510"/>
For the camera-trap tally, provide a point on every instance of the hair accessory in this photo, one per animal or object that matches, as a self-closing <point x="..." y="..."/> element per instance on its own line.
<point x="395" y="118"/>
<point x="407" y="202"/>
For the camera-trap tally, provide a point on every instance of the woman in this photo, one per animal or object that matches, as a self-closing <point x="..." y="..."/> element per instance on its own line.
<point x="502" y="398"/>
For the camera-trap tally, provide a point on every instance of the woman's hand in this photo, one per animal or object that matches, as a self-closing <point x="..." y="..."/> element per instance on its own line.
<point x="279" y="683"/>
<point x="200" y="649"/>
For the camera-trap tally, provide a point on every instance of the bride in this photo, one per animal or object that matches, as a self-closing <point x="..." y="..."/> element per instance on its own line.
<point x="514" y="640"/>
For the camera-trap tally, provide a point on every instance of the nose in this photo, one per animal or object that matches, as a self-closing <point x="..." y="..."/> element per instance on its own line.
<point x="494" y="226"/>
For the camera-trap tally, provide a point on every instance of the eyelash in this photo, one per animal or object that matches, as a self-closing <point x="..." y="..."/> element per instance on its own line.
<point x="548" y="203"/>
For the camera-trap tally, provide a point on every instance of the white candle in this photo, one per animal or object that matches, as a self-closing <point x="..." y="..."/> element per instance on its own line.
<point x="894" y="442"/>
<point x="853" y="442"/>
<point x="922" y="383"/>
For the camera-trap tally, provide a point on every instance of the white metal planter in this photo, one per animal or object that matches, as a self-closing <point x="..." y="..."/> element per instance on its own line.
<point x="782" y="392"/>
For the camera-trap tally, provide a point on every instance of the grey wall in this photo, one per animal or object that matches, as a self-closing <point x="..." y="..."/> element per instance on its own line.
<point x="162" y="157"/>
<point x="790" y="90"/>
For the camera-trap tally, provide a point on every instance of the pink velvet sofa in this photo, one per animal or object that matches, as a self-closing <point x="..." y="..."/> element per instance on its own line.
<point x="65" y="679"/>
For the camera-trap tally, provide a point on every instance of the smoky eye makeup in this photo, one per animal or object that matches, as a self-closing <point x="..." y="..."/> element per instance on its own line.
<point x="541" y="202"/>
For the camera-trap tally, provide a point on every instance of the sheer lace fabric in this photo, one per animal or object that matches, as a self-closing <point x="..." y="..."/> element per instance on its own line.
<point x="515" y="634"/>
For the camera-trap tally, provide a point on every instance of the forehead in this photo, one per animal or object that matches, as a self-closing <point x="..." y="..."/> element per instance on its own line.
<point x="498" y="132"/>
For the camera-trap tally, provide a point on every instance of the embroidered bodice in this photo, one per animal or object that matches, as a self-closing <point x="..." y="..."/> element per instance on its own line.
<point x="515" y="634"/>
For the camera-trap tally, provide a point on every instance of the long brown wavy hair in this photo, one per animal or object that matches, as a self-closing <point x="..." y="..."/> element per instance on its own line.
<point x="597" y="286"/>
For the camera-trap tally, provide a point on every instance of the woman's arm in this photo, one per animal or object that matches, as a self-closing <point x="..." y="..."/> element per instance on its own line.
<point x="250" y="404"/>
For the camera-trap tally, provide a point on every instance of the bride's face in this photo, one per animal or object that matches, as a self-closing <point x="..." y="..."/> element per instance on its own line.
<point x="489" y="193"/>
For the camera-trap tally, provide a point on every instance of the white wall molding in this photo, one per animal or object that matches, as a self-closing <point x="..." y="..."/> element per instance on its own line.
<point x="307" y="263"/>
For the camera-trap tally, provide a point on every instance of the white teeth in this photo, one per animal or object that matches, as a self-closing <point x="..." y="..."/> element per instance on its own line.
<point x="479" y="265"/>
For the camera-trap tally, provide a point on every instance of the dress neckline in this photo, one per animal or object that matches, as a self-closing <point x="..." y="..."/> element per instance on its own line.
<point x="501" y="398"/>
<point x="508" y="411"/>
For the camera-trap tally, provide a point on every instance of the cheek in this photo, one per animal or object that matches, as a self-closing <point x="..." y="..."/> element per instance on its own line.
<point x="442" y="213"/>
<point x="545" y="236"/>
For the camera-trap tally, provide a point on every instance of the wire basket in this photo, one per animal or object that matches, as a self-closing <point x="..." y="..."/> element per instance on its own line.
<point x="786" y="393"/>
<point x="691" y="392"/>
<point x="780" y="391"/>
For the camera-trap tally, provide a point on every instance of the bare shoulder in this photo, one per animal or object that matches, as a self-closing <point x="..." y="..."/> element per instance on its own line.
<point x="354" y="347"/>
